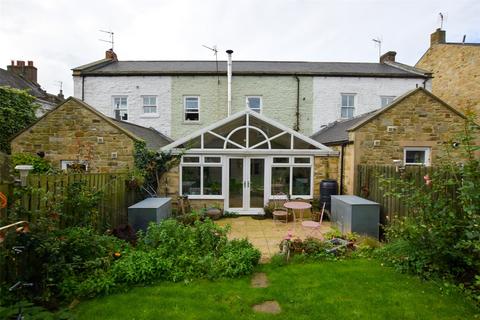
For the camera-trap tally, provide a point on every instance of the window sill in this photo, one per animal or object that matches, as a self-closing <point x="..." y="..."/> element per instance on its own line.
<point x="150" y="115"/>
<point x="192" y="122"/>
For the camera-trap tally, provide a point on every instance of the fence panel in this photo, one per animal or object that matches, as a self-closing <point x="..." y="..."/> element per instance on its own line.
<point x="368" y="185"/>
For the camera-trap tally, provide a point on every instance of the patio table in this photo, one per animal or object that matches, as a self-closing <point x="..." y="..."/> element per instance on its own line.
<point x="297" y="206"/>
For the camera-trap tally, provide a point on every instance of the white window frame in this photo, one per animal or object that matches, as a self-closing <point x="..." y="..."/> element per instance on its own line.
<point x="291" y="164"/>
<point x="149" y="114"/>
<point x="185" y="109"/>
<point x="391" y="98"/>
<point x="65" y="163"/>
<point x="122" y="109"/>
<point x="247" y="103"/>
<point x="427" y="151"/>
<point x="202" y="164"/>
<point x="347" y="107"/>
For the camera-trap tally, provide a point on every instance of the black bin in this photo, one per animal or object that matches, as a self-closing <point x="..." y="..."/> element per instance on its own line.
<point x="328" y="187"/>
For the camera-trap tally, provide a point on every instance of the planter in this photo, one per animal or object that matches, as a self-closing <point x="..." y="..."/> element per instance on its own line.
<point x="214" y="213"/>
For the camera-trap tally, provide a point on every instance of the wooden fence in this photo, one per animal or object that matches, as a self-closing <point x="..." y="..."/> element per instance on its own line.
<point x="368" y="185"/>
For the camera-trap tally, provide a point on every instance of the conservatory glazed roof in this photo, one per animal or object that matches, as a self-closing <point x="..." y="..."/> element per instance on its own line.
<point x="248" y="132"/>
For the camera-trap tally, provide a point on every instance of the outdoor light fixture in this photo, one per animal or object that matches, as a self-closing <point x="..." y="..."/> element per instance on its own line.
<point x="24" y="170"/>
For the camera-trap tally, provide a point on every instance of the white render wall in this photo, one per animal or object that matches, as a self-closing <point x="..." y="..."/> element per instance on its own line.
<point x="327" y="93"/>
<point x="98" y="92"/>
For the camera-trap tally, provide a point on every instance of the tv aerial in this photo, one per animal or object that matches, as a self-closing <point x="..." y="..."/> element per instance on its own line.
<point x="378" y="42"/>
<point x="111" y="40"/>
<point x="215" y="52"/>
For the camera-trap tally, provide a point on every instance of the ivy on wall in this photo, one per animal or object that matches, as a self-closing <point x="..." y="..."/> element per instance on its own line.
<point x="17" y="111"/>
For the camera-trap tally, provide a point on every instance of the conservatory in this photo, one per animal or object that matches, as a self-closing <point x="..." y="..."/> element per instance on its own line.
<point x="245" y="160"/>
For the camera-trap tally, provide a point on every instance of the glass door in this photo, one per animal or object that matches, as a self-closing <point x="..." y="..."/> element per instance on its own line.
<point x="236" y="183"/>
<point x="246" y="188"/>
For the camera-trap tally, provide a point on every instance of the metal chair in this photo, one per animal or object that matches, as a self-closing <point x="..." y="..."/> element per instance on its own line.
<point x="279" y="211"/>
<point x="315" y="224"/>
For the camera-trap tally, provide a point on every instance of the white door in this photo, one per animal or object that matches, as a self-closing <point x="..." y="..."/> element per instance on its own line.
<point x="246" y="185"/>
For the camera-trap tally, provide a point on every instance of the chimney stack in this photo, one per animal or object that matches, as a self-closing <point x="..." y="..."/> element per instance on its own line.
<point x="437" y="37"/>
<point x="229" y="82"/>
<point x="111" y="55"/>
<point x="28" y="72"/>
<point x="388" y="56"/>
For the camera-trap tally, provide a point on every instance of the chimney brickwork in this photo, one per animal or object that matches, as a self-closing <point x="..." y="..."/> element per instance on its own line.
<point x="437" y="37"/>
<point x="388" y="56"/>
<point x="28" y="72"/>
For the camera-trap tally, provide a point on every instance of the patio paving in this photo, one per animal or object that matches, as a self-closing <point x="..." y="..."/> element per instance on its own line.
<point x="266" y="235"/>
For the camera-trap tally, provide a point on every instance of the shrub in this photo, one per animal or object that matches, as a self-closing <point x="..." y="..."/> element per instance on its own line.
<point x="40" y="165"/>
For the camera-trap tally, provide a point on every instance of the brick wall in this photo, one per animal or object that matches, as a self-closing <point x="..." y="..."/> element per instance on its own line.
<point x="70" y="133"/>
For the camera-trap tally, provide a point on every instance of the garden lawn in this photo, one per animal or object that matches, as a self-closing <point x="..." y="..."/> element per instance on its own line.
<point x="350" y="289"/>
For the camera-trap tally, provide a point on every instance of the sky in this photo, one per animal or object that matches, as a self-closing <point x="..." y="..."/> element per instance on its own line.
<point x="59" y="35"/>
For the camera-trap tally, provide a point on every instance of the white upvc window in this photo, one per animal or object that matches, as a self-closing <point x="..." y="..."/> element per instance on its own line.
<point x="201" y="176"/>
<point x="418" y="156"/>
<point x="191" y="108"/>
<point x="120" y="107"/>
<point x="292" y="176"/>
<point x="149" y="104"/>
<point x="386" y="100"/>
<point x="348" y="105"/>
<point x="254" y="103"/>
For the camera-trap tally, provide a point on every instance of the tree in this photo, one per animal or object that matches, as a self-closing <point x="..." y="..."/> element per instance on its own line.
<point x="17" y="111"/>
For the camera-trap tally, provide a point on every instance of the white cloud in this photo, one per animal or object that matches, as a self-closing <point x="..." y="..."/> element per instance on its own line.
<point x="59" y="35"/>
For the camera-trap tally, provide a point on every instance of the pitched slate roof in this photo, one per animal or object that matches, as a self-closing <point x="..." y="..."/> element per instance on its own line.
<point x="105" y="68"/>
<point x="336" y="132"/>
<point x="153" y="138"/>
<point x="10" y="79"/>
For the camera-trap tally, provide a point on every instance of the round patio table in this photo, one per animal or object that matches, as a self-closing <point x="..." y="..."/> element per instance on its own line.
<point x="297" y="206"/>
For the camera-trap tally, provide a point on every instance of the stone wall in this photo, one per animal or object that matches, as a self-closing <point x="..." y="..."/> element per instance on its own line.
<point x="456" y="72"/>
<point x="71" y="132"/>
<point x="419" y="120"/>
<point x="324" y="168"/>
<point x="348" y="168"/>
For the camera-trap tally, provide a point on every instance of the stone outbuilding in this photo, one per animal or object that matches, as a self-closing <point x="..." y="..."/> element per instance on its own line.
<point x="414" y="129"/>
<point x="456" y="71"/>
<point x="76" y="133"/>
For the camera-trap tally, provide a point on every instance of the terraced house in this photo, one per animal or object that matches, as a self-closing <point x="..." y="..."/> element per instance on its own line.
<point x="179" y="97"/>
<point x="245" y="124"/>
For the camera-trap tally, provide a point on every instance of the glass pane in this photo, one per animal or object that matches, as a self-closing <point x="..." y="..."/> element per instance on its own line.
<point x="300" y="144"/>
<point x="344" y="100"/>
<point x="212" y="160"/>
<point x="212" y="142"/>
<point x="227" y="128"/>
<point x="280" y="180"/>
<point x="191" y="103"/>
<point x="415" y="156"/>
<point x="190" y="180"/>
<point x="191" y="159"/>
<point x="257" y="175"/>
<point x="149" y="109"/>
<point x="254" y="103"/>
<point x="301" y="181"/>
<point x="269" y="130"/>
<point x="239" y="137"/>
<point x="195" y="143"/>
<point x="281" y="160"/>
<point x="255" y="137"/>
<point x="302" y="160"/>
<point x="282" y="142"/>
<point x="189" y="116"/>
<point x="212" y="180"/>
<point x="236" y="183"/>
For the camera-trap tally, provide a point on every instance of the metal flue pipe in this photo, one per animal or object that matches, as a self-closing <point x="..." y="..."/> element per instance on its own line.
<point x="229" y="82"/>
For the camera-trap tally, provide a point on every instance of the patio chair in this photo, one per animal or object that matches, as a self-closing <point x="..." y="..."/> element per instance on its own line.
<point x="279" y="211"/>
<point x="315" y="224"/>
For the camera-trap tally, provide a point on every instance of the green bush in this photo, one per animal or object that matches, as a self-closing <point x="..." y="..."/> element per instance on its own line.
<point x="40" y="165"/>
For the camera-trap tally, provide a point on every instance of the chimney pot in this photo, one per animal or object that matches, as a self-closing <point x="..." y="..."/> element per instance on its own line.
<point x="437" y="37"/>
<point x="30" y="63"/>
<point x="388" y="56"/>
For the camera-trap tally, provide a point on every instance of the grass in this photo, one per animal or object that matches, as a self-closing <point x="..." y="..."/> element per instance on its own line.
<point x="351" y="289"/>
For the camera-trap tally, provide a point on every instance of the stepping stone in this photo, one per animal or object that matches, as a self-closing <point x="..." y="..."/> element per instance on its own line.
<point x="259" y="280"/>
<point x="268" y="307"/>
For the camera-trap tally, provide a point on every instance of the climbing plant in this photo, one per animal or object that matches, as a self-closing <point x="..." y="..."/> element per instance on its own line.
<point x="17" y="111"/>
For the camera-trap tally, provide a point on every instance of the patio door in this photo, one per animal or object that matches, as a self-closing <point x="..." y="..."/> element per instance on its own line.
<point x="246" y="185"/>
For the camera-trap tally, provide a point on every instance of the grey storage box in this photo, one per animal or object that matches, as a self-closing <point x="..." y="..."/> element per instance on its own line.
<point x="149" y="210"/>
<point x="355" y="214"/>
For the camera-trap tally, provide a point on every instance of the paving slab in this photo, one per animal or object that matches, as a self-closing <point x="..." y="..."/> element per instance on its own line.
<point x="271" y="306"/>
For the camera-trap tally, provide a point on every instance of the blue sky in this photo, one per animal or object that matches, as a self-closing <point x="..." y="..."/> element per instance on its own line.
<point x="59" y="35"/>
